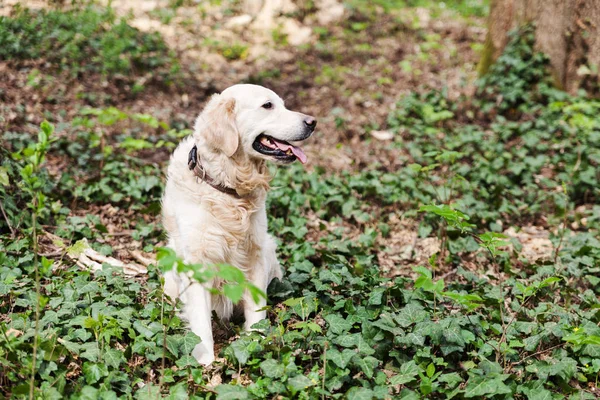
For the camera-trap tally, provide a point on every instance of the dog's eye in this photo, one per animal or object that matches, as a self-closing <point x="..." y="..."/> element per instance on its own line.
<point x="268" y="105"/>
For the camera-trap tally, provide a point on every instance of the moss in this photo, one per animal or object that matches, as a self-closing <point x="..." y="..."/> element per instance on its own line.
<point x="487" y="56"/>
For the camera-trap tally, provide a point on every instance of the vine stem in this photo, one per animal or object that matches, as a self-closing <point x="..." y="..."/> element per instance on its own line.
<point x="537" y="354"/>
<point x="12" y="230"/>
<point x="324" y="370"/>
<point x="162" y="367"/>
<point x="37" y="297"/>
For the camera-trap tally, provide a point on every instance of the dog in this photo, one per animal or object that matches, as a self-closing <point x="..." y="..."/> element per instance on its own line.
<point x="214" y="201"/>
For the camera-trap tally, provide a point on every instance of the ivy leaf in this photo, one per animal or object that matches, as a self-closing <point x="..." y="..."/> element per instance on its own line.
<point x="178" y="392"/>
<point x="452" y="379"/>
<point x="299" y="382"/>
<point x="411" y="314"/>
<point x="89" y="287"/>
<point x="186" y="361"/>
<point x="271" y="368"/>
<point x="376" y="296"/>
<point x="360" y="393"/>
<point x="145" y="329"/>
<point x="90" y="351"/>
<point x="540" y="394"/>
<point x="452" y="334"/>
<point x="93" y="372"/>
<point x="347" y="340"/>
<point x="341" y="359"/>
<point x="173" y="343"/>
<point x="408" y="373"/>
<point x="338" y="324"/>
<point x="240" y="350"/>
<point x="113" y="358"/>
<point x="88" y="393"/>
<point x="367" y="365"/>
<point x="188" y="342"/>
<point x="231" y="392"/>
<point x="479" y="386"/>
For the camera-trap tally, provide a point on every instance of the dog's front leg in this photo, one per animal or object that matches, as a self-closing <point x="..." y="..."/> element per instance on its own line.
<point x="253" y="312"/>
<point x="267" y="269"/>
<point x="198" y="312"/>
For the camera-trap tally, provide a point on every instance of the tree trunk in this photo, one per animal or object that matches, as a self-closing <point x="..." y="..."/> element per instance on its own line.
<point x="568" y="31"/>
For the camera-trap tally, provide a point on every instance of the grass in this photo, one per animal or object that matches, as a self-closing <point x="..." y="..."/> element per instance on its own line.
<point x="477" y="319"/>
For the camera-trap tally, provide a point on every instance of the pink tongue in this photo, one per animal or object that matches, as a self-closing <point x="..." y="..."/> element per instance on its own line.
<point x="296" y="150"/>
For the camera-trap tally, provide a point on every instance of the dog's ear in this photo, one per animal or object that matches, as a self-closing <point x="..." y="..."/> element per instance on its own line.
<point x="219" y="129"/>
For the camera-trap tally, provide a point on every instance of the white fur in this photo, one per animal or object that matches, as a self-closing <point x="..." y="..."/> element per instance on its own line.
<point x="206" y="226"/>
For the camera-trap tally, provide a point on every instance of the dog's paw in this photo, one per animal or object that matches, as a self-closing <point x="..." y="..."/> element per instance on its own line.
<point x="202" y="355"/>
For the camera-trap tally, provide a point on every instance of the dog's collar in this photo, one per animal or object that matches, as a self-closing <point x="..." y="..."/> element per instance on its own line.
<point x="195" y="166"/>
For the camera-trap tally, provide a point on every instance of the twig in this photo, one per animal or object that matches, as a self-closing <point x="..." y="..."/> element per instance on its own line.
<point x="537" y="354"/>
<point x="12" y="231"/>
<point x="123" y="233"/>
<point x="52" y="254"/>
<point x="505" y="327"/>
<point x="139" y="257"/>
<point x="207" y="389"/>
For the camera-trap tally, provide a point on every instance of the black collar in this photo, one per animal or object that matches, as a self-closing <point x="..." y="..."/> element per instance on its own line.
<point x="195" y="166"/>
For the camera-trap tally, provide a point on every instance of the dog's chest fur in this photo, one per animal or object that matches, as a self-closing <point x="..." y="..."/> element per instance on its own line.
<point x="242" y="228"/>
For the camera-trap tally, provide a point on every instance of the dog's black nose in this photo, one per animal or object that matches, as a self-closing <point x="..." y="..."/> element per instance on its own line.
<point x="310" y="122"/>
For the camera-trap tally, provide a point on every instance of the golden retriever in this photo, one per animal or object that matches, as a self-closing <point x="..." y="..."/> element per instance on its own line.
<point x="214" y="200"/>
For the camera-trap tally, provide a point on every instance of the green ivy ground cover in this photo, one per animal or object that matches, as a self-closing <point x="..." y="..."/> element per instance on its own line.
<point x="519" y="153"/>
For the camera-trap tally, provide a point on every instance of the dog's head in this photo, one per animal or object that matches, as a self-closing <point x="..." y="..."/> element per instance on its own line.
<point x="253" y="119"/>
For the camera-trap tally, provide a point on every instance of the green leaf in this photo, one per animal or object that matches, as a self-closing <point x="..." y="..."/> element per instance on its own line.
<point x="90" y="351"/>
<point x="337" y="324"/>
<point x="231" y="392"/>
<point x="367" y="365"/>
<point x="113" y="358"/>
<point x="4" y="181"/>
<point x="231" y="274"/>
<point x="299" y="382"/>
<point x="408" y="373"/>
<point x="272" y="368"/>
<point x="178" y="392"/>
<point x="452" y="379"/>
<point x="233" y="292"/>
<point x="148" y="391"/>
<point x="347" y="340"/>
<point x="540" y="394"/>
<point x="360" y="393"/>
<point x="430" y="370"/>
<point x="93" y="372"/>
<point x="240" y="350"/>
<point x="453" y="218"/>
<point x="88" y="393"/>
<point x="479" y="386"/>
<point x="411" y="314"/>
<point x="186" y="361"/>
<point x="376" y="296"/>
<point x="148" y="331"/>
<point x="188" y="342"/>
<point x="341" y="359"/>
<point x="173" y="342"/>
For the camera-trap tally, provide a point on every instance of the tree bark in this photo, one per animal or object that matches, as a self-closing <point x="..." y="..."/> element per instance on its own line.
<point x="568" y="31"/>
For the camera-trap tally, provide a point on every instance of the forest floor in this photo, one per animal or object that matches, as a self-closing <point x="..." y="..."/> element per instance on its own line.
<point x="441" y="241"/>
<point x="349" y="76"/>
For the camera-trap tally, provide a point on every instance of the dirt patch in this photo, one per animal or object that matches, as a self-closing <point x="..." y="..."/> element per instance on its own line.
<point x="535" y="241"/>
